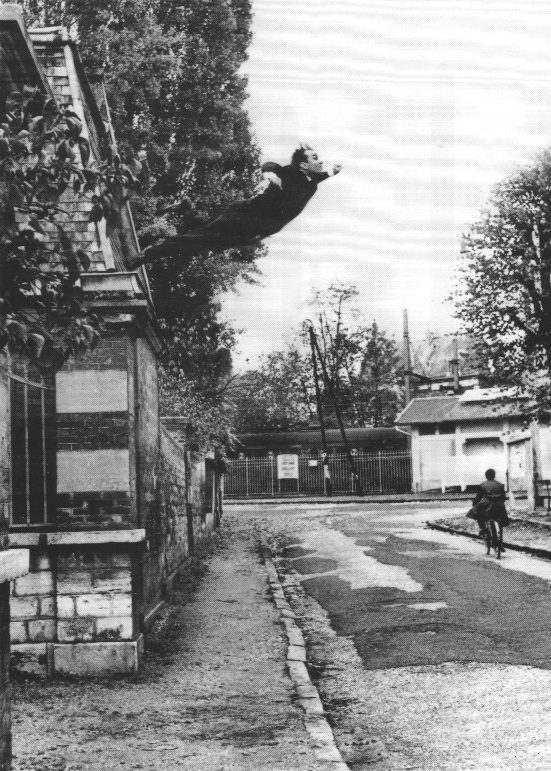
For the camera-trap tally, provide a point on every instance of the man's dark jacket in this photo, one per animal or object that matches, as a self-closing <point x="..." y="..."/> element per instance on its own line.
<point x="489" y="502"/>
<point x="246" y="222"/>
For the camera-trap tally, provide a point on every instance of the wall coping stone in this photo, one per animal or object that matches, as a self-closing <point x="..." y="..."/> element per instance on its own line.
<point x="112" y="282"/>
<point x="85" y="537"/>
<point x="14" y="563"/>
<point x="18" y="540"/>
<point x="79" y="537"/>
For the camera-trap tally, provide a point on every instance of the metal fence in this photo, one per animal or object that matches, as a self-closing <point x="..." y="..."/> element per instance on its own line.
<point x="33" y="445"/>
<point x="379" y="472"/>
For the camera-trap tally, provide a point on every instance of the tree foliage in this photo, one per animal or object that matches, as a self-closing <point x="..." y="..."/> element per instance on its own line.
<point x="362" y="364"/>
<point x="503" y="295"/>
<point x="275" y="397"/>
<point x="176" y="96"/>
<point x="44" y="155"/>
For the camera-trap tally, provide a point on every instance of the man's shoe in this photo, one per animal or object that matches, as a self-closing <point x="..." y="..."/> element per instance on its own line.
<point x="133" y="263"/>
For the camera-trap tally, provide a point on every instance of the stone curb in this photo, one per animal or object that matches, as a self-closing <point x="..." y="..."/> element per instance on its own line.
<point x="344" y="500"/>
<point x="535" y="552"/>
<point x="321" y="735"/>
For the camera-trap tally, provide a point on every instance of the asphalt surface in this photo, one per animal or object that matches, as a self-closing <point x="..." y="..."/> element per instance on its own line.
<point x="429" y="653"/>
<point x="426" y="602"/>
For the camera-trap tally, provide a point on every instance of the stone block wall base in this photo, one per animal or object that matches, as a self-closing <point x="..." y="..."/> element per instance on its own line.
<point x="32" y="659"/>
<point x="98" y="659"/>
<point x="79" y="659"/>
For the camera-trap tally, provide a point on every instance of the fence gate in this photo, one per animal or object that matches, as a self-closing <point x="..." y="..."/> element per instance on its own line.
<point x="379" y="472"/>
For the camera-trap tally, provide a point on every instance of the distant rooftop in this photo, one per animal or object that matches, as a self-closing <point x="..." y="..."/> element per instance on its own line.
<point x="431" y="357"/>
<point x="480" y="404"/>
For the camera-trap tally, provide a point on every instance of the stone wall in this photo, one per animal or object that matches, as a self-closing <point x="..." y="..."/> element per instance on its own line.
<point x="94" y="438"/>
<point x="5" y="719"/>
<point x="5" y="710"/>
<point x="130" y="507"/>
<point x="168" y="529"/>
<point x="76" y="593"/>
<point x="33" y="612"/>
<point x="4" y="449"/>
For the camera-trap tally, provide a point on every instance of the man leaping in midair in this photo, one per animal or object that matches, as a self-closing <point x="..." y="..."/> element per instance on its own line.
<point x="246" y="223"/>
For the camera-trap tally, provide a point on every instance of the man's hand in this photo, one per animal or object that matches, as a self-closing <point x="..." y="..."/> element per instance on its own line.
<point x="272" y="177"/>
<point x="337" y="168"/>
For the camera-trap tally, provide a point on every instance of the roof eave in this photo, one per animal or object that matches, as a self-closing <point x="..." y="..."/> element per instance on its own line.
<point x="12" y="19"/>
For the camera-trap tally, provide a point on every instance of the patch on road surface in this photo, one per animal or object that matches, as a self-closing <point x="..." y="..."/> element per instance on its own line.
<point x="315" y="565"/>
<point x="295" y="550"/>
<point x="427" y="643"/>
<point x="420" y="605"/>
<point x="353" y="565"/>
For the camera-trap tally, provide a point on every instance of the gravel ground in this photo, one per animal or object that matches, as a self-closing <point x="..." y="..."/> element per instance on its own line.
<point x="215" y="696"/>
<point x="451" y="717"/>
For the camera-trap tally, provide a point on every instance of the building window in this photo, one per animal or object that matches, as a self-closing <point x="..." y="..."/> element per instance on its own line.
<point x="33" y="444"/>
<point x="446" y="428"/>
<point x="427" y="429"/>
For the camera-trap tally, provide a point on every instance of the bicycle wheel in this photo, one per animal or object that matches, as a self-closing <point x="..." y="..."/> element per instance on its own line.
<point x="487" y="537"/>
<point x="499" y="540"/>
<point x="494" y="538"/>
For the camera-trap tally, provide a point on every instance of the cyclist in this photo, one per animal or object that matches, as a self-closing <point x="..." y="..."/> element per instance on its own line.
<point x="489" y="502"/>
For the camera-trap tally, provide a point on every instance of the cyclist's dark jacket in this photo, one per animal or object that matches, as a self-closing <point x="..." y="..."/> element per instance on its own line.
<point x="489" y="502"/>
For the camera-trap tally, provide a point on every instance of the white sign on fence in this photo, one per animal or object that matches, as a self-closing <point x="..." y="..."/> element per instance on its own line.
<point x="287" y="466"/>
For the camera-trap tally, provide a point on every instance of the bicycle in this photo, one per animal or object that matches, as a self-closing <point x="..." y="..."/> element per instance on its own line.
<point x="493" y="537"/>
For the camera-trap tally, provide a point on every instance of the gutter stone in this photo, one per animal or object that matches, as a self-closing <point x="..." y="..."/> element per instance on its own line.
<point x="321" y="735"/>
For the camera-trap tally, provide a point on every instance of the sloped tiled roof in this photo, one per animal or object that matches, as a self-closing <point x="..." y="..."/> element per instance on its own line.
<point x="355" y="436"/>
<point x="444" y="409"/>
<point x="57" y="56"/>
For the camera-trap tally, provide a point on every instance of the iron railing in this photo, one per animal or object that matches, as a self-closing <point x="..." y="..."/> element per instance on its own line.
<point x="379" y="472"/>
<point x="33" y="453"/>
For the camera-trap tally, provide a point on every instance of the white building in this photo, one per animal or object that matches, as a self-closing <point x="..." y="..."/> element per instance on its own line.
<point x="454" y="439"/>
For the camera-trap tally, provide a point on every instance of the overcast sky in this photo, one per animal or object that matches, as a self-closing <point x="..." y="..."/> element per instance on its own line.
<point x="426" y="104"/>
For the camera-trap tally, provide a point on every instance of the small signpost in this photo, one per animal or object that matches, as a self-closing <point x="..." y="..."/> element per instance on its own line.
<point x="287" y="466"/>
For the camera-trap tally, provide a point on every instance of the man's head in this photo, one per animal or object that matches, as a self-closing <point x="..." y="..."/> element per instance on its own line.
<point x="306" y="159"/>
<point x="490" y="474"/>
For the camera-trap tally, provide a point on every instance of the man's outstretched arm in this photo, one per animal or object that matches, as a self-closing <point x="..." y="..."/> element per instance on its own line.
<point x="272" y="173"/>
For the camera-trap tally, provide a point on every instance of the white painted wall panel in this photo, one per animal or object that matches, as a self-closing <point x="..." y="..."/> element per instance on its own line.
<point x="93" y="471"/>
<point x="92" y="391"/>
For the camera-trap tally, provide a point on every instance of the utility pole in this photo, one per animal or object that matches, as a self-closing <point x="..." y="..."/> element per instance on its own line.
<point x="455" y="365"/>
<point x="407" y="362"/>
<point x="328" y="485"/>
<point x="357" y="483"/>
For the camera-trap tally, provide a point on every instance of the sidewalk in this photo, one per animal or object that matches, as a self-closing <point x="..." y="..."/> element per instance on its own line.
<point x="216" y="698"/>
<point x="340" y="499"/>
<point x="527" y="532"/>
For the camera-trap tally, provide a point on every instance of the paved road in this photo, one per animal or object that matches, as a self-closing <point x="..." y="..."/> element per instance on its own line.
<point x="431" y="655"/>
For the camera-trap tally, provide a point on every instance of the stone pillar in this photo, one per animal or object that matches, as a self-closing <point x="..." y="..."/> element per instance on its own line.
<point x="5" y="720"/>
<point x="12" y="564"/>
